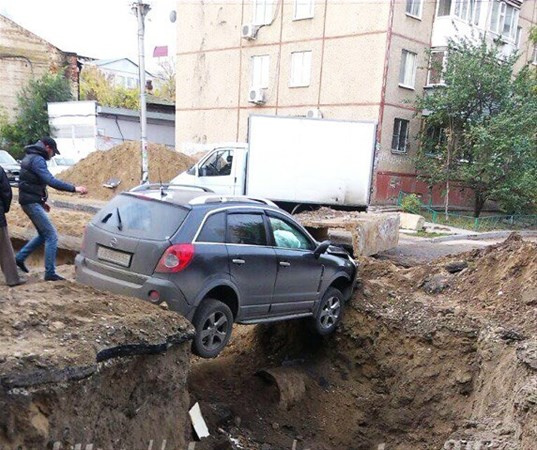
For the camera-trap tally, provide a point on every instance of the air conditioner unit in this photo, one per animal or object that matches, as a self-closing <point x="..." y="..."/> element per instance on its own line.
<point x="256" y="96"/>
<point x="314" y="114"/>
<point x="249" y="31"/>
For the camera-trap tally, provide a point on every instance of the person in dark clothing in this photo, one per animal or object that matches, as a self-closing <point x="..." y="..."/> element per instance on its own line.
<point x="7" y="256"/>
<point x="33" y="181"/>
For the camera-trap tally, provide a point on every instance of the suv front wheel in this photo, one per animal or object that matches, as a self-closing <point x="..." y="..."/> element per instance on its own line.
<point x="329" y="312"/>
<point x="213" y="322"/>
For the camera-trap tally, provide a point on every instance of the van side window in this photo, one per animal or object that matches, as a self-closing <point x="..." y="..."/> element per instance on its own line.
<point x="217" y="165"/>
<point x="246" y="228"/>
<point x="214" y="229"/>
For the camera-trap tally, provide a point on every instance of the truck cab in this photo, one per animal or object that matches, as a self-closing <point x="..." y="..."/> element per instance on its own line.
<point x="222" y="169"/>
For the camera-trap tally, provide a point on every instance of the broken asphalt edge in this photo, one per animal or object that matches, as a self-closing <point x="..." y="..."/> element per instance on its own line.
<point x="476" y="236"/>
<point x="45" y="376"/>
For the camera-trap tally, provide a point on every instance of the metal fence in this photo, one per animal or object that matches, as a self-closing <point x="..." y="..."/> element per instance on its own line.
<point x="484" y="223"/>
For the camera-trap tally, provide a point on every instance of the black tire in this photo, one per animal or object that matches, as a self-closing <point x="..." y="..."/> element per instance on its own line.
<point x="213" y="322"/>
<point x="329" y="313"/>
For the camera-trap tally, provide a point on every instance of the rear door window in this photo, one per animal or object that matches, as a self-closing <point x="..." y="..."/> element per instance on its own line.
<point x="138" y="217"/>
<point x="246" y="228"/>
<point x="214" y="229"/>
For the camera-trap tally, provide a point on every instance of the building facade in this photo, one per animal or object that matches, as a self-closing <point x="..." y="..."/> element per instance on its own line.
<point x="347" y="60"/>
<point x="24" y="57"/>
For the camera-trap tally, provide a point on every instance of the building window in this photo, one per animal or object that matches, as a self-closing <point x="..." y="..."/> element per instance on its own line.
<point x="262" y="12"/>
<point x="400" y="136"/>
<point x="518" y="36"/>
<point x="468" y="10"/>
<point x="435" y="139"/>
<point x="260" y="72"/>
<point x="414" y="7"/>
<point x="534" y="60"/>
<point x="407" y="73"/>
<point x="504" y="20"/>
<point x="444" y="8"/>
<point x="303" y="9"/>
<point x="300" y="69"/>
<point x="437" y="65"/>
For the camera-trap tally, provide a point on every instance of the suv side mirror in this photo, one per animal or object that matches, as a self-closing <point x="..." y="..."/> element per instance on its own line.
<point x="321" y="248"/>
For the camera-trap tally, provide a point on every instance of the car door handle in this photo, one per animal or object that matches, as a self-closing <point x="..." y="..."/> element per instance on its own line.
<point x="238" y="261"/>
<point x="285" y="263"/>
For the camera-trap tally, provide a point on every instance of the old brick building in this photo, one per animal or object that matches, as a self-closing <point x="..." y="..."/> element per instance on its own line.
<point x="25" y="56"/>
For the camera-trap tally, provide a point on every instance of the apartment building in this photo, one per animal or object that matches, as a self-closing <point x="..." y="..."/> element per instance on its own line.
<point x="336" y="59"/>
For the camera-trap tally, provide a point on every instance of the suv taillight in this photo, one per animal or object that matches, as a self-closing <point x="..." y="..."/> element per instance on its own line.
<point x="175" y="258"/>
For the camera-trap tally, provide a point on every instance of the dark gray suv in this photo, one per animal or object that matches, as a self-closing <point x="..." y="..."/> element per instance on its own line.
<point x="216" y="260"/>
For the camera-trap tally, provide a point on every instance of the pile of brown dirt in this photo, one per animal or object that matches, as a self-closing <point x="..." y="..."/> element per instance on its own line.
<point x="124" y="162"/>
<point x="67" y="222"/>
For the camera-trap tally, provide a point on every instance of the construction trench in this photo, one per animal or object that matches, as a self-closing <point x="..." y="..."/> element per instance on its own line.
<point x="410" y="367"/>
<point x="439" y="355"/>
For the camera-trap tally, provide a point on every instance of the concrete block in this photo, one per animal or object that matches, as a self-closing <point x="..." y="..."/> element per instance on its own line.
<point x="411" y="221"/>
<point x="369" y="234"/>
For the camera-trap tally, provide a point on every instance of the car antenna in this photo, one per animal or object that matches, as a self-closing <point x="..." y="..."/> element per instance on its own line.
<point x="162" y="194"/>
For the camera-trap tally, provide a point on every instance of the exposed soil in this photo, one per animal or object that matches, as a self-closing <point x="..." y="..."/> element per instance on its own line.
<point x="423" y="359"/>
<point x="124" y="163"/>
<point x="67" y="222"/>
<point x="71" y="362"/>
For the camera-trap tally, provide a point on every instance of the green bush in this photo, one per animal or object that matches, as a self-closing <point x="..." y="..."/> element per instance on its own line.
<point x="411" y="204"/>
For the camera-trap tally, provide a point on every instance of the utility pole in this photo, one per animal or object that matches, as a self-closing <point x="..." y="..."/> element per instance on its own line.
<point x="141" y="10"/>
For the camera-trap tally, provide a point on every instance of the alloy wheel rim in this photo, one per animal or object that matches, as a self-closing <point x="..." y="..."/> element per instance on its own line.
<point x="214" y="331"/>
<point x="330" y="312"/>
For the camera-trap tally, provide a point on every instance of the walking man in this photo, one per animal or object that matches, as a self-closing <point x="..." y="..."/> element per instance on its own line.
<point x="34" y="179"/>
<point x="7" y="257"/>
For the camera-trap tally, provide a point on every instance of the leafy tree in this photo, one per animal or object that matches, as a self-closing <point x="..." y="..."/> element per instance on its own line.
<point x="481" y="127"/>
<point x="31" y="122"/>
<point x="95" y="86"/>
<point x="167" y="75"/>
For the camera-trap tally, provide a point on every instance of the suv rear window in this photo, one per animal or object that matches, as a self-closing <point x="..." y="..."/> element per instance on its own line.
<point x="137" y="217"/>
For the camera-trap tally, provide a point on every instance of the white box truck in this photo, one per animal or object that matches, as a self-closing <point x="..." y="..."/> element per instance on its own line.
<point x="293" y="160"/>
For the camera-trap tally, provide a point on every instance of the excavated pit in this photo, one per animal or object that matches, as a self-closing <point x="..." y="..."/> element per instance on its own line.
<point x="410" y="368"/>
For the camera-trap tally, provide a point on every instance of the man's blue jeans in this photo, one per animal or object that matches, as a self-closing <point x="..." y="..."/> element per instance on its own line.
<point x="46" y="235"/>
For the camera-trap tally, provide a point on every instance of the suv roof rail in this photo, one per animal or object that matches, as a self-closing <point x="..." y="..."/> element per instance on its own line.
<point x="148" y="186"/>
<point x="204" y="199"/>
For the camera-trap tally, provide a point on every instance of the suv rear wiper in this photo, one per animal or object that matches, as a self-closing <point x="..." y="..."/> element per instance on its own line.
<point x="119" y="223"/>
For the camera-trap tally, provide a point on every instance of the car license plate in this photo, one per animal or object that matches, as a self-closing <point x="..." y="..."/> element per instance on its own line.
<point x="114" y="256"/>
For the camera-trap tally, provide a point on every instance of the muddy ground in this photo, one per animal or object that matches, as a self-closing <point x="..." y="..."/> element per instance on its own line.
<point x="424" y="359"/>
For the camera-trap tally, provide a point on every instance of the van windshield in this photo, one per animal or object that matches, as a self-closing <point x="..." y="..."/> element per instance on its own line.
<point x="139" y="217"/>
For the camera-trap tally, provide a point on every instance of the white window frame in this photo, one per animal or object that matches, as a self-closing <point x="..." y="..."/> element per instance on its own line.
<point x="260" y="71"/>
<point x="441" y="82"/>
<point x="497" y="24"/>
<point x="407" y="75"/>
<point x="467" y="10"/>
<point x="409" y="6"/>
<point x="397" y="132"/>
<point x="262" y="12"/>
<point x="304" y="9"/>
<point x="300" y="73"/>
<point x="534" y="60"/>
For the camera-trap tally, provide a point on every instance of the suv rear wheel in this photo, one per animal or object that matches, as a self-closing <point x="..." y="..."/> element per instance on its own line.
<point x="213" y="322"/>
<point x="329" y="313"/>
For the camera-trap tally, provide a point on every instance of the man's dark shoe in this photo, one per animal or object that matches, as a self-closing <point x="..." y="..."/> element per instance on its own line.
<point x="22" y="266"/>
<point x="21" y="281"/>
<point x="54" y="277"/>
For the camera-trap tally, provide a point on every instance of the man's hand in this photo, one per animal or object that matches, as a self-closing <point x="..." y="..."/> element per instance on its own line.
<point x="46" y="207"/>
<point x="81" y="190"/>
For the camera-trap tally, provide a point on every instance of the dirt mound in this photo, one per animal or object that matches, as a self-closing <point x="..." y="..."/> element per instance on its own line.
<point x="124" y="162"/>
